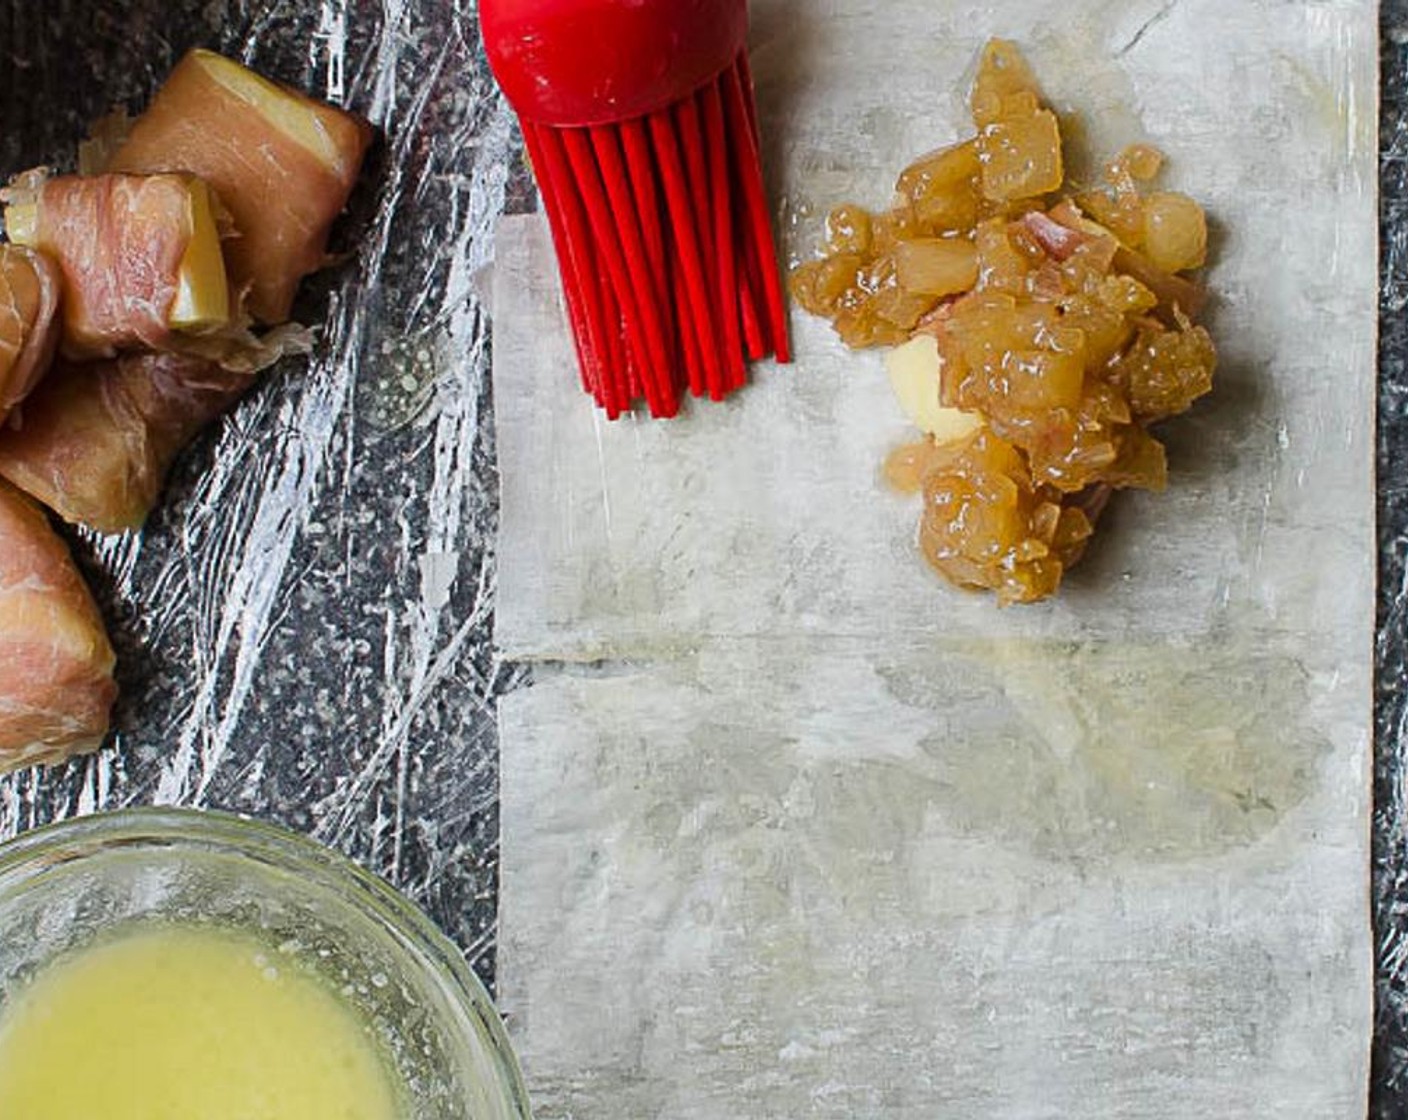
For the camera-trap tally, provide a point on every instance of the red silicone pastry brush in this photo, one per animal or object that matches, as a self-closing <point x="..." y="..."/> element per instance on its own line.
<point x="639" y="121"/>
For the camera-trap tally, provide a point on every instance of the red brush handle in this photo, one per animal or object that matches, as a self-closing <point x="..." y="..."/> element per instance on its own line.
<point x="573" y="63"/>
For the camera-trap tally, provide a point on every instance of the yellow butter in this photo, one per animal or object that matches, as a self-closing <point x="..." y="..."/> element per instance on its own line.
<point x="187" y="1024"/>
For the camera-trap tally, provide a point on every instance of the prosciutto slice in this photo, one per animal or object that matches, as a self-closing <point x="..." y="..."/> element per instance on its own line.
<point x="30" y="284"/>
<point x="120" y="241"/>
<point x="282" y="164"/>
<point x="94" y="442"/>
<point x="56" y="663"/>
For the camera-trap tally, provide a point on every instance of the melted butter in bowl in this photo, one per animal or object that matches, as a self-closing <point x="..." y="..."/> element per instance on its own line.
<point x="190" y="1022"/>
<point x="160" y="964"/>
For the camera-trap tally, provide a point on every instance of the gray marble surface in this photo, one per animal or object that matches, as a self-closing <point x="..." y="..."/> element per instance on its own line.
<point x="304" y="626"/>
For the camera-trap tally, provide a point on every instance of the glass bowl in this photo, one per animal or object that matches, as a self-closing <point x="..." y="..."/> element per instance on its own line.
<point x="69" y="885"/>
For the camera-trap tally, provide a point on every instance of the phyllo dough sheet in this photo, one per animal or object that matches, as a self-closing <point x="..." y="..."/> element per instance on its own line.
<point x="789" y="827"/>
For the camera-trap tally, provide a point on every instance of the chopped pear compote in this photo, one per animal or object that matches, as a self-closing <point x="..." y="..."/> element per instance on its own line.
<point x="1036" y="337"/>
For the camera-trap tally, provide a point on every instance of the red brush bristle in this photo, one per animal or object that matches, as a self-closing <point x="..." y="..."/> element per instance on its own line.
<point x="581" y="326"/>
<point x="694" y="309"/>
<point x="663" y="237"/>
<point x="620" y="371"/>
<point x="647" y="316"/>
<point x="686" y="118"/>
<point x="595" y="321"/>
<point x="723" y="199"/>
<point x="748" y="174"/>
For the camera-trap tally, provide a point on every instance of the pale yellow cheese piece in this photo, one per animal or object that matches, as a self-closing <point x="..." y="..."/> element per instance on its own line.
<point x="202" y="292"/>
<point x="914" y="376"/>
<point x="299" y="118"/>
<point x="21" y="220"/>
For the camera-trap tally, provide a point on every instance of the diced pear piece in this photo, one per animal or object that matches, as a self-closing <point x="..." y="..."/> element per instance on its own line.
<point x="939" y="171"/>
<point x="914" y="376"/>
<point x="282" y="164"/>
<point x="933" y="266"/>
<point x="1021" y="156"/>
<point x="1004" y="81"/>
<point x="1175" y="232"/>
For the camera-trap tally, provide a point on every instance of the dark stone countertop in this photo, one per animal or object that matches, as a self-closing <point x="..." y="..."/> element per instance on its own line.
<point x="1390" y="1077"/>
<point x="304" y="626"/>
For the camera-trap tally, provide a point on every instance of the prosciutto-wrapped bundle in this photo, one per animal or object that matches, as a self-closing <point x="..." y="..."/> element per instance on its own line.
<point x="30" y="285"/>
<point x="56" y="684"/>
<point x="94" y="442"/>
<point x="282" y="164"/>
<point x="140" y="256"/>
